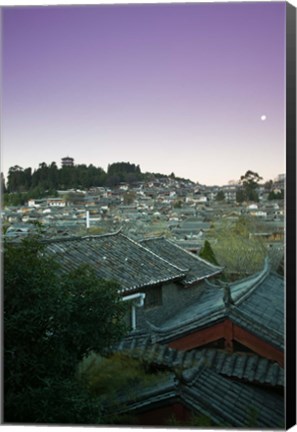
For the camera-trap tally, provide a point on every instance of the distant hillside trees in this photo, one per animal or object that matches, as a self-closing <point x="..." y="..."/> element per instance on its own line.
<point x="50" y="177"/>
<point x="19" y="180"/>
<point x="23" y="184"/>
<point x="3" y="185"/>
<point x="123" y="172"/>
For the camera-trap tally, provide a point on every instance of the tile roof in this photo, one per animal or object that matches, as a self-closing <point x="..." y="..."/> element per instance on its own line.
<point x="196" y="267"/>
<point x="225" y="402"/>
<point x="114" y="257"/>
<point x="258" y="307"/>
<point x="243" y="366"/>
<point x="262" y="311"/>
<point x="229" y="402"/>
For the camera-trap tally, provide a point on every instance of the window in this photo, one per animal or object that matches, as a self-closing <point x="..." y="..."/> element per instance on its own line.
<point x="153" y="297"/>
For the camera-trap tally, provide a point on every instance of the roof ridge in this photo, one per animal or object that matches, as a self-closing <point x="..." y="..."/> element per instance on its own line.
<point x="82" y="237"/>
<point x="158" y="256"/>
<point x="255" y="281"/>
<point x="152" y="238"/>
<point x="195" y="256"/>
<point x="218" y="313"/>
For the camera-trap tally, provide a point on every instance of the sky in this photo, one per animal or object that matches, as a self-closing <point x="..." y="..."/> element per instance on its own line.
<point x="197" y="89"/>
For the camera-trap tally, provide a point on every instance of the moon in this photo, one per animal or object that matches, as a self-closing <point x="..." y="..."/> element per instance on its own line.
<point x="263" y="117"/>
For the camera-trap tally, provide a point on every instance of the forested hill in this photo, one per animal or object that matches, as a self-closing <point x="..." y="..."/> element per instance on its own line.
<point x="49" y="178"/>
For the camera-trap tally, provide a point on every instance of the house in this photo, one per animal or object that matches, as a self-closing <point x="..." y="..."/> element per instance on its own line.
<point x="223" y="345"/>
<point x="55" y="202"/>
<point x="190" y="228"/>
<point x="67" y="162"/>
<point x="20" y="230"/>
<point x="183" y="306"/>
<point x="237" y="383"/>
<point x="246" y="316"/>
<point x="168" y="280"/>
<point x="36" y="202"/>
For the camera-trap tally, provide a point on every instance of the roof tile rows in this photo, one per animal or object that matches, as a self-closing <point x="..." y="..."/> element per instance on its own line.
<point x="197" y="268"/>
<point x="258" y="307"/>
<point x="204" y="391"/>
<point x="133" y="265"/>
<point x="258" y="301"/>
<point x="262" y="312"/>
<point x="115" y="257"/>
<point x="244" y="366"/>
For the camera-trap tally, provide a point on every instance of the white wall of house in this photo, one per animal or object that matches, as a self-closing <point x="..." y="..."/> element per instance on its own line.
<point x="56" y="203"/>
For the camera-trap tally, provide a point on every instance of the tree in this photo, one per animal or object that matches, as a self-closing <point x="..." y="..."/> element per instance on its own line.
<point x="19" y="180"/>
<point x="268" y="185"/>
<point x="240" y="196"/>
<point x="220" y="196"/>
<point x="52" y="319"/>
<point x="236" y="250"/>
<point x="208" y="254"/>
<point x="129" y="197"/>
<point x="122" y="172"/>
<point x="3" y="185"/>
<point x="249" y="183"/>
<point x="276" y="195"/>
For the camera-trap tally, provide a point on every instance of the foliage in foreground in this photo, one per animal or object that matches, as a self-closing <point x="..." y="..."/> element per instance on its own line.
<point x="118" y="372"/>
<point x="51" y="321"/>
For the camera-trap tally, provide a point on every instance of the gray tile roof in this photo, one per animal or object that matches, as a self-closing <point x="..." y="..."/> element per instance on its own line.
<point x="114" y="257"/>
<point x="262" y="312"/>
<point x="233" y="403"/>
<point x="196" y="267"/>
<point x="243" y="366"/>
<point x="258" y="308"/>
<point x="225" y="402"/>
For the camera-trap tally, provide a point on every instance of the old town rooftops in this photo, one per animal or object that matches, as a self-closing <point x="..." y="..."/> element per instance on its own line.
<point x="115" y="257"/>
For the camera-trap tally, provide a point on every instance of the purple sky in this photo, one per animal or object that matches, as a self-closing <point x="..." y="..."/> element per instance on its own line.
<point x="174" y="88"/>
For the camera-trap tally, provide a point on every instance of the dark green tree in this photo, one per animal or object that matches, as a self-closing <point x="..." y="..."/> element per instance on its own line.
<point x="208" y="254"/>
<point x="268" y="185"/>
<point x="3" y="185"/>
<point x="123" y="172"/>
<point x="220" y="196"/>
<point x="19" y="180"/>
<point x="240" y="196"/>
<point x="249" y="184"/>
<point x="52" y="319"/>
<point x="276" y="195"/>
<point x="53" y="176"/>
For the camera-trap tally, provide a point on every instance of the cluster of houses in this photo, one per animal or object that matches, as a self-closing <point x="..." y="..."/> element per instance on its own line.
<point x="222" y="345"/>
<point x="182" y="210"/>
